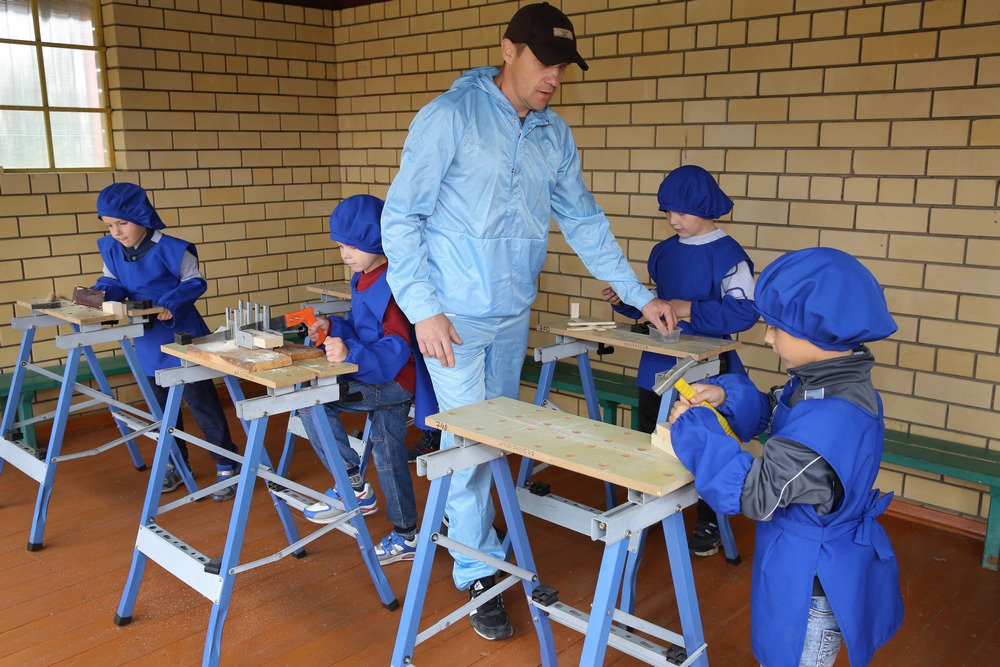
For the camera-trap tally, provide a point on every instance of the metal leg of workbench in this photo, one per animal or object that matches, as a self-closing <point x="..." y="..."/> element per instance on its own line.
<point x="602" y="609"/>
<point x="683" y="578"/>
<point x="165" y="445"/>
<point x="14" y="396"/>
<point x="416" y="590"/>
<point x="105" y="387"/>
<point x="252" y="459"/>
<point x="55" y="447"/>
<point x="350" y="502"/>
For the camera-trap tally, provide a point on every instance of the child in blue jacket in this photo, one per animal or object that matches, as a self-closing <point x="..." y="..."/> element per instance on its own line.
<point x="708" y="278"/>
<point x="142" y="263"/>
<point x="377" y="337"/>
<point x="823" y="568"/>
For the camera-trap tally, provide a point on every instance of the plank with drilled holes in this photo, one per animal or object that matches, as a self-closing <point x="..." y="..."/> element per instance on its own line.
<point x="689" y="346"/>
<point x="603" y="451"/>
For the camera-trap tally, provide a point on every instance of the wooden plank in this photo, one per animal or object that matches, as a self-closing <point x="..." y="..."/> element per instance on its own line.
<point x="228" y="352"/>
<point x="35" y="300"/>
<point x="287" y="376"/>
<point x="341" y="290"/>
<point x="603" y="451"/>
<point x="299" y="352"/>
<point x="689" y="346"/>
<point x="79" y="315"/>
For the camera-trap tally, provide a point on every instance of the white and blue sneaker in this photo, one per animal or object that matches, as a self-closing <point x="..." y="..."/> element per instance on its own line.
<point x="394" y="548"/>
<point x="323" y="513"/>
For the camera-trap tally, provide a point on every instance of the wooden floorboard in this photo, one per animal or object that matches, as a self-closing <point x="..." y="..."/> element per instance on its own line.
<point x="58" y="604"/>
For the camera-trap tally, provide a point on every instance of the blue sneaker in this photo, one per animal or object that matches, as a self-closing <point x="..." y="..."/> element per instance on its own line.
<point x="225" y="472"/>
<point x="394" y="548"/>
<point x="323" y="513"/>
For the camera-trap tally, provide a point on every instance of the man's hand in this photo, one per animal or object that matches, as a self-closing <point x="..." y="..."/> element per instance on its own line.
<point x="321" y="324"/>
<point x="661" y="315"/>
<point x="336" y="350"/>
<point x="164" y="315"/>
<point x="611" y="296"/>
<point x="435" y="336"/>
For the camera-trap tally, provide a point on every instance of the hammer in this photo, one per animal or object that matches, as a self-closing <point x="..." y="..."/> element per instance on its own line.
<point x="675" y="379"/>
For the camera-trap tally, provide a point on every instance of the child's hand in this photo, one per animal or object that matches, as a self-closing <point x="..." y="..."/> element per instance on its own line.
<point x="709" y="393"/>
<point x="611" y="296"/>
<point x="336" y="351"/>
<point x="164" y="315"/>
<point x="321" y="324"/>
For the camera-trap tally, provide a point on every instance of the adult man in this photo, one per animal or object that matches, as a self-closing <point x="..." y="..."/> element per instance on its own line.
<point x="465" y="227"/>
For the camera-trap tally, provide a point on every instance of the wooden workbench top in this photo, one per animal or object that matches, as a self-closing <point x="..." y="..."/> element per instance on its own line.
<point x="300" y="370"/>
<point x="73" y="313"/>
<point x="603" y="451"/>
<point x="689" y="346"/>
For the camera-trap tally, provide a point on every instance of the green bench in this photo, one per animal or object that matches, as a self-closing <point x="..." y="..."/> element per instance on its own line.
<point x="613" y="389"/>
<point x="34" y="383"/>
<point x="970" y="464"/>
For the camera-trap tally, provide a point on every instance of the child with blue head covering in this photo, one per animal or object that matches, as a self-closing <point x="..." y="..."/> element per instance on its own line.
<point x="824" y="570"/>
<point x="377" y="337"/>
<point x="142" y="263"/>
<point x="708" y="278"/>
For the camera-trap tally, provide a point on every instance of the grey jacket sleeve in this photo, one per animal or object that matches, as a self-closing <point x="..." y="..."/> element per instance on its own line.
<point x="787" y="473"/>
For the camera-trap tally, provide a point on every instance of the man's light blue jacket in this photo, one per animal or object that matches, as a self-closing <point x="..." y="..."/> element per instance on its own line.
<point x="467" y="218"/>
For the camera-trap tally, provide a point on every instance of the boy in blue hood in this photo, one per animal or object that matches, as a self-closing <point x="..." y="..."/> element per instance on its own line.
<point x="708" y="278"/>
<point x="375" y="336"/>
<point x="824" y="570"/>
<point x="142" y="263"/>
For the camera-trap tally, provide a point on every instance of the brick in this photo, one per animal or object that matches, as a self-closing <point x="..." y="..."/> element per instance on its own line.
<point x="794" y="27"/>
<point x="930" y="133"/>
<point x="787" y="238"/>
<point x="800" y="135"/>
<point x="899" y="162"/>
<point x="976" y="192"/>
<point x="965" y="222"/>
<point x="760" y="109"/>
<point x="826" y="52"/>
<point x="795" y="82"/>
<point x="955" y="498"/>
<point x="824" y="107"/>
<point x="681" y="87"/>
<point x="891" y="273"/>
<point x="861" y="189"/>
<point x="757" y="58"/>
<point x="988" y="367"/>
<point x="854" y="134"/>
<point x="958" y="335"/>
<point x="914" y="410"/>
<point x="985" y="132"/>
<point x="935" y="191"/>
<point x="892" y="218"/>
<point x="926" y="248"/>
<point x="922" y="303"/>
<point x="956" y="362"/>
<point x="812" y="214"/>
<point x="856" y="243"/>
<point x="731" y="135"/>
<point x="856" y="79"/>
<point x="761" y="31"/>
<point x="762" y="187"/>
<point x="793" y="187"/>
<point x="919" y="357"/>
<point x="755" y="160"/>
<point x="899" y="47"/>
<point x="936" y="74"/>
<point x="978" y="422"/>
<point x="972" y="41"/>
<point x="762" y="211"/>
<point x="894" y="105"/>
<point x="819" y="161"/>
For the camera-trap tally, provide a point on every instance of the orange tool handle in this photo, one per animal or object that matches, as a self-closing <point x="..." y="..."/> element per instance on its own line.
<point x="688" y="392"/>
<point x="306" y="316"/>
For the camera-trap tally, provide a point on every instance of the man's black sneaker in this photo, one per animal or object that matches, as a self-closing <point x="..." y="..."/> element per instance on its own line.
<point x="489" y="620"/>
<point x="431" y="442"/>
<point x="705" y="539"/>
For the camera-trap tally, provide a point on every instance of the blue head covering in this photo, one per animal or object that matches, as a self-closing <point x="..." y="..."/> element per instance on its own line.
<point x="826" y="297"/>
<point x="692" y="190"/>
<point x="356" y="222"/>
<point x="127" y="201"/>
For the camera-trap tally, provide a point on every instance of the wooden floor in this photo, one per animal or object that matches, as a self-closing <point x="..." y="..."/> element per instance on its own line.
<point x="58" y="604"/>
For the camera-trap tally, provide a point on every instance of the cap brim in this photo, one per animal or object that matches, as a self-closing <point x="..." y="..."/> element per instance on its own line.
<point x="551" y="55"/>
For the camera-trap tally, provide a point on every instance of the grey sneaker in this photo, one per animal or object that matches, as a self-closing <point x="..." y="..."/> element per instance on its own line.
<point x="705" y="540"/>
<point x="171" y="480"/>
<point x="223" y="472"/>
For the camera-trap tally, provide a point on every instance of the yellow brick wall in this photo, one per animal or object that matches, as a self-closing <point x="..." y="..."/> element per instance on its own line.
<point x="871" y="127"/>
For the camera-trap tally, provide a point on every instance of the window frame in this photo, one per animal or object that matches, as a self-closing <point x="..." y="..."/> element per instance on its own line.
<point x="101" y="78"/>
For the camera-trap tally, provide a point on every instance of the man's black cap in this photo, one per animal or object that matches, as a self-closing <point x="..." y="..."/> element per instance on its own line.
<point x="547" y="32"/>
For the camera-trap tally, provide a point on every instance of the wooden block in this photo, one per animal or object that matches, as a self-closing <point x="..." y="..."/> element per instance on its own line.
<point x="688" y="346"/>
<point x="267" y="341"/>
<point x="116" y="308"/>
<point x="299" y="352"/>
<point x="660" y="438"/>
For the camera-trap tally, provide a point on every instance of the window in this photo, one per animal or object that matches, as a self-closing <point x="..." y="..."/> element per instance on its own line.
<point x="54" y="112"/>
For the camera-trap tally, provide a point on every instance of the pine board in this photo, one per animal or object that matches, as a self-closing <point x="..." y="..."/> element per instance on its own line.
<point x="79" y="315"/>
<point x="276" y="378"/>
<point x="603" y="451"/>
<point x="341" y="290"/>
<point x="689" y="346"/>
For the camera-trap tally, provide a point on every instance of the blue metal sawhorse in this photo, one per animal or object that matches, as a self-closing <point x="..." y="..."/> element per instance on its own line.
<point x="215" y="577"/>
<point x="131" y="422"/>
<point x="484" y="433"/>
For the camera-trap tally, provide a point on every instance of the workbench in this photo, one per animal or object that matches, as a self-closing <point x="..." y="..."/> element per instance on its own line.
<point x="659" y="487"/>
<point x="89" y="327"/>
<point x="300" y="383"/>
<point x="578" y="343"/>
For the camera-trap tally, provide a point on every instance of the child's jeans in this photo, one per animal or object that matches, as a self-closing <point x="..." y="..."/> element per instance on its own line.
<point x="823" y="638"/>
<point x="388" y="406"/>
